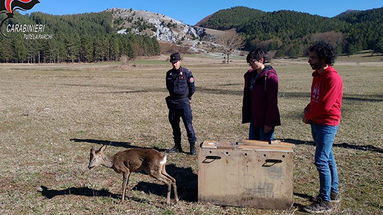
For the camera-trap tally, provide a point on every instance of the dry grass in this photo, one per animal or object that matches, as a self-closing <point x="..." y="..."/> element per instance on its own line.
<point x="51" y="115"/>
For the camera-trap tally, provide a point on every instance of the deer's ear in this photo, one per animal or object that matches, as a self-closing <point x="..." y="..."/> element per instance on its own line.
<point x="92" y="150"/>
<point x="102" y="149"/>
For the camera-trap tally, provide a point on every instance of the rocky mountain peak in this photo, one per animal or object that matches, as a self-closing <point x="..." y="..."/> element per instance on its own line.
<point x="163" y="27"/>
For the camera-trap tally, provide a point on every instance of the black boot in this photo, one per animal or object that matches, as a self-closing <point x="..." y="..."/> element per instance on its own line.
<point x="176" y="148"/>
<point x="192" y="149"/>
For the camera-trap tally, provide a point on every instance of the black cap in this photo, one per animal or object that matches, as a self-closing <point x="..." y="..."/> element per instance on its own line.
<point x="175" y="57"/>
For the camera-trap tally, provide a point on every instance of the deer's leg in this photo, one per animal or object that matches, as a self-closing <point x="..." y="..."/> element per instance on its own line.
<point x="163" y="172"/>
<point x="125" y="180"/>
<point x="127" y="186"/>
<point x="173" y="180"/>
<point x="160" y="177"/>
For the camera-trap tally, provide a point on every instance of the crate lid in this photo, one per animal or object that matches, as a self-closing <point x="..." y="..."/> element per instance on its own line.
<point x="254" y="145"/>
<point x="210" y="144"/>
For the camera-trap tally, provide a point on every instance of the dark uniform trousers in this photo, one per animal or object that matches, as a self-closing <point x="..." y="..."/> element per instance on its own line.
<point x="180" y="84"/>
<point x="181" y="109"/>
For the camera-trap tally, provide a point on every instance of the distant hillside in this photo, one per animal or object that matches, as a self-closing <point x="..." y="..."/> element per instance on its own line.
<point x="103" y="36"/>
<point x="289" y="32"/>
<point x="231" y="18"/>
<point x="366" y="30"/>
<point x="89" y="37"/>
<point x="367" y="16"/>
<point x="347" y="12"/>
<point x="108" y="35"/>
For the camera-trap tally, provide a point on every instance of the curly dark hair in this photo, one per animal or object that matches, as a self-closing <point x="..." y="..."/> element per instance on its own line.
<point x="324" y="51"/>
<point x="257" y="54"/>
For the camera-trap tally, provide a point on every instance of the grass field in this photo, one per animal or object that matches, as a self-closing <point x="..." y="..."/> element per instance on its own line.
<point x="51" y="115"/>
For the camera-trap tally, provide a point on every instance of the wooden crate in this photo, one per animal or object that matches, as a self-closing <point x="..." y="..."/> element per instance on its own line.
<point x="246" y="174"/>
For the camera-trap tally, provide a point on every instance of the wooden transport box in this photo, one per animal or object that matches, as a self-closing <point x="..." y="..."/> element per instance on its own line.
<point x="246" y="174"/>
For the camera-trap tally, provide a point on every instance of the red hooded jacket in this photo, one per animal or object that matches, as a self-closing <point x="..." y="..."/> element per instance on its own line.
<point x="326" y="98"/>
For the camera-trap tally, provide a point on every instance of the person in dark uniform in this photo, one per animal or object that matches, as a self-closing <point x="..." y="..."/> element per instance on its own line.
<point x="180" y="84"/>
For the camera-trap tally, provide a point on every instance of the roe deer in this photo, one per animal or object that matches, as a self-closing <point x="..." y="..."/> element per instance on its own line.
<point x="133" y="160"/>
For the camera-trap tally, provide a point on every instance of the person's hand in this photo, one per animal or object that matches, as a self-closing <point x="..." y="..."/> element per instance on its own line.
<point x="267" y="129"/>
<point x="189" y="101"/>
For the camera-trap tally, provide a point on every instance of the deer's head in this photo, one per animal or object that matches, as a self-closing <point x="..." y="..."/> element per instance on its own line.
<point x="97" y="157"/>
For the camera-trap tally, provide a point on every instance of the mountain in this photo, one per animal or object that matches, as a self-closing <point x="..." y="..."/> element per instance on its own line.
<point x="289" y="32"/>
<point x="367" y="16"/>
<point x="230" y="18"/>
<point x="347" y="12"/>
<point x="162" y="27"/>
<point x="283" y="24"/>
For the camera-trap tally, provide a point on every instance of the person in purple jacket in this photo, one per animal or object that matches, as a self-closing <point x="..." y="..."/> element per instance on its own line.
<point x="260" y="97"/>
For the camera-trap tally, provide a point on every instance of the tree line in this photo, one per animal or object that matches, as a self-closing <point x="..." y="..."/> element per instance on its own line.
<point x="76" y="38"/>
<point x="289" y="32"/>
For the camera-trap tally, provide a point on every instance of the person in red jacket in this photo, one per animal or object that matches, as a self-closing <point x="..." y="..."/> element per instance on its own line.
<point x="260" y="97"/>
<point x="323" y="113"/>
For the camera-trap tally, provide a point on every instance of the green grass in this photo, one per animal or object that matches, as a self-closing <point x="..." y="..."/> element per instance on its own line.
<point x="43" y="107"/>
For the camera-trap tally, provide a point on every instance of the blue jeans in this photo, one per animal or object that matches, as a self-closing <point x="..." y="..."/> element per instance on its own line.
<point x="324" y="136"/>
<point x="259" y="134"/>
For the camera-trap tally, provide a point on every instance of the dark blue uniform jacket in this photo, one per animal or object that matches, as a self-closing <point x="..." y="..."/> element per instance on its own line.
<point x="180" y="83"/>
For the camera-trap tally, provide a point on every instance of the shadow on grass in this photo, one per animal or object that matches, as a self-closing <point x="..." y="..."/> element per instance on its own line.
<point x="125" y="92"/>
<point x="370" y="148"/>
<point x="78" y="191"/>
<point x="303" y="196"/>
<point x="186" y="184"/>
<point x="144" y="90"/>
<point x="83" y="191"/>
<point x="232" y="84"/>
<point x="119" y="144"/>
<point x="219" y="91"/>
<point x="114" y="143"/>
<point x="350" y="97"/>
<point x="136" y="91"/>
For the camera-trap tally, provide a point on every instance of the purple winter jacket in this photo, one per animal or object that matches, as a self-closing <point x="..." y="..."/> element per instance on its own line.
<point x="260" y="98"/>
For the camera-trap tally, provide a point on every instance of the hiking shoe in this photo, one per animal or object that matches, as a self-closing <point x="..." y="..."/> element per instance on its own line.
<point x="319" y="207"/>
<point x="334" y="197"/>
<point x="175" y="149"/>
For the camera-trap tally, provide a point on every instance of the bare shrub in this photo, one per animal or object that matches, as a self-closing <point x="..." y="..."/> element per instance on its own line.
<point x="124" y="60"/>
<point x="271" y="54"/>
<point x="230" y="42"/>
<point x="332" y="37"/>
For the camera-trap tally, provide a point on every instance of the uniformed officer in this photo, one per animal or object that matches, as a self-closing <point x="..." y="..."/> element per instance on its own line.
<point x="180" y="84"/>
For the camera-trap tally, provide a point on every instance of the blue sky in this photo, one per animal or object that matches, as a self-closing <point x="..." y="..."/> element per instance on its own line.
<point x="192" y="11"/>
